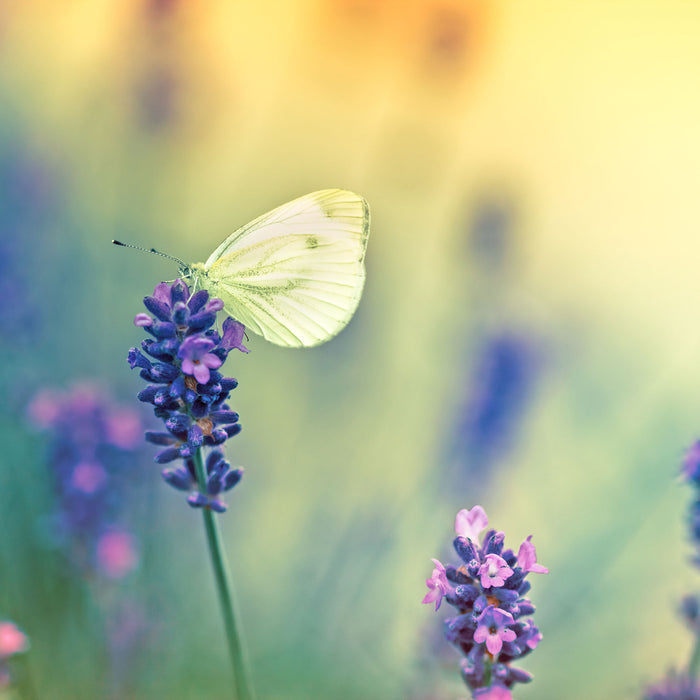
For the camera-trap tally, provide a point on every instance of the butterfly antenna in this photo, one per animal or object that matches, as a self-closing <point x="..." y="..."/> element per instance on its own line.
<point x="150" y="250"/>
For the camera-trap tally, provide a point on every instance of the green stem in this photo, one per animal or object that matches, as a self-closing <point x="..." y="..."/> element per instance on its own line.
<point x="227" y="596"/>
<point x="694" y="664"/>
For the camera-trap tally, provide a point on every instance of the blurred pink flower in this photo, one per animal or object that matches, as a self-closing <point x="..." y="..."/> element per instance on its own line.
<point x="123" y="428"/>
<point x="117" y="554"/>
<point x="88" y="477"/>
<point x="12" y="639"/>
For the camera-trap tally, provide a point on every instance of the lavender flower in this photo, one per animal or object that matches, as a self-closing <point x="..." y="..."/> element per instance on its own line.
<point x="188" y="393"/>
<point x="493" y="626"/>
<point x="683" y="685"/>
<point x="12" y="641"/>
<point x="27" y="206"/>
<point x="92" y="443"/>
<point x="675" y="687"/>
<point x="502" y="386"/>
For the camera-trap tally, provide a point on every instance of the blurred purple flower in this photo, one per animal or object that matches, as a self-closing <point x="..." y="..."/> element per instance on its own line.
<point x="92" y="443"/>
<point x="690" y="470"/>
<point x="690" y="467"/>
<point x="501" y="387"/>
<point x="492" y="627"/>
<point x="676" y="686"/>
<point x="26" y="205"/>
<point x="188" y="393"/>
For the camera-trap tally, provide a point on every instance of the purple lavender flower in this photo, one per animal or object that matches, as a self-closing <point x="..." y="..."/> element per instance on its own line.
<point x="690" y="467"/>
<point x="197" y="359"/>
<point x="28" y="199"/>
<point x="493" y="629"/>
<point x="493" y="626"/>
<point x="502" y="385"/>
<point x="92" y="444"/>
<point x="188" y="393"/>
<point x="220" y="478"/>
<point x="682" y="685"/>
<point x="690" y="471"/>
<point x="675" y="686"/>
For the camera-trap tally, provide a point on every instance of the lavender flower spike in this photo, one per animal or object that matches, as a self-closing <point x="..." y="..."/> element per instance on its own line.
<point x="188" y="394"/>
<point x="493" y="627"/>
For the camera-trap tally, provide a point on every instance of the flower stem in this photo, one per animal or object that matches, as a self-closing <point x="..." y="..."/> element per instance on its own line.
<point x="694" y="664"/>
<point x="227" y="596"/>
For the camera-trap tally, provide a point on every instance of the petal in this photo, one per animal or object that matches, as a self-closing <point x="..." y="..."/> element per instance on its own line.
<point x="494" y="644"/>
<point x="212" y="361"/>
<point x="508" y="635"/>
<point x="198" y="300"/>
<point x="527" y="558"/>
<point x="163" y="292"/>
<point x="233" y="333"/>
<point x="433" y="596"/>
<point x="470" y="523"/>
<point x="188" y="366"/>
<point x="201" y="373"/>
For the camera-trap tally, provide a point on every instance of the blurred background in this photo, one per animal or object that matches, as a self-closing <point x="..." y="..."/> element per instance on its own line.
<point x="525" y="340"/>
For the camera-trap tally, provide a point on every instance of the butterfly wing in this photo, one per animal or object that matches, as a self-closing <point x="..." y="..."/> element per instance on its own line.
<point x="295" y="275"/>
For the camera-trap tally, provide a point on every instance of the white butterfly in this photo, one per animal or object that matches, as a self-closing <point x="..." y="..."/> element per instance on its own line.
<point x="294" y="275"/>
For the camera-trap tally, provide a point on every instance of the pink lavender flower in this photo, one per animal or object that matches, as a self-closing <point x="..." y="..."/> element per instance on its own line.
<point x="527" y="558"/>
<point x="494" y="571"/>
<point x="185" y="388"/>
<point x="493" y="692"/>
<point x="492" y="629"/>
<point x="117" y="553"/>
<point x="438" y="585"/>
<point x="493" y="626"/>
<point x="12" y="641"/>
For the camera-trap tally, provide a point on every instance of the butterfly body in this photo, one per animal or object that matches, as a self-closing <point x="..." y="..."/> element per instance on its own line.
<point x="294" y="275"/>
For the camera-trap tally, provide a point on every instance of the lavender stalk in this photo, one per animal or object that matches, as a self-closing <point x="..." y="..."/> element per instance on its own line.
<point x="190" y="396"/>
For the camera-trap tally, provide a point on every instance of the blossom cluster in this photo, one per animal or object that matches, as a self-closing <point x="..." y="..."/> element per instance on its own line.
<point x="92" y="442"/>
<point x="493" y="626"/>
<point x="189" y="395"/>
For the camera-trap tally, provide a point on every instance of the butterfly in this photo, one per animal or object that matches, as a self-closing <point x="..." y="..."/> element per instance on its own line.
<point x="294" y="275"/>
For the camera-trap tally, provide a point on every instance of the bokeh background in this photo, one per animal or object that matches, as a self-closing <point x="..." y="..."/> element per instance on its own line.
<point x="526" y="339"/>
